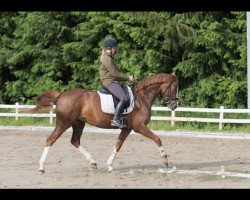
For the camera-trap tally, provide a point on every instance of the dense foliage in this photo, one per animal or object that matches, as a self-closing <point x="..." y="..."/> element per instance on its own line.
<point x="60" y="50"/>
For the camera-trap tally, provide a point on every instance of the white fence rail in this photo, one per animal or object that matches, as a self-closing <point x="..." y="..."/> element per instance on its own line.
<point x="220" y="120"/>
<point x="17" y="113"/>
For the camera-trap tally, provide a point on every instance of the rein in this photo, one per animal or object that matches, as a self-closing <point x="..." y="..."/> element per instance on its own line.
<point x="134" y="85"/>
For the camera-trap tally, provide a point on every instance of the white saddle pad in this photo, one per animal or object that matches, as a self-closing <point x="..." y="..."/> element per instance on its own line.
<point x="107" y="103"/>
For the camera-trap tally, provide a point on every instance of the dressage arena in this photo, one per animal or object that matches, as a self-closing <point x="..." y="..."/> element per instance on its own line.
<point x="194" y="162"/>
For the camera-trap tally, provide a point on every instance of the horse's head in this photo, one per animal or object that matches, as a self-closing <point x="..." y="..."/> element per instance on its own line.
<point x="169" y="90"/>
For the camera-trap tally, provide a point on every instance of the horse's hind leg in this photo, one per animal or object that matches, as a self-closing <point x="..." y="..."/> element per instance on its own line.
<point x="75" y="140"/>
<point x="121" y="138"/>
<point x="49" y="142"/>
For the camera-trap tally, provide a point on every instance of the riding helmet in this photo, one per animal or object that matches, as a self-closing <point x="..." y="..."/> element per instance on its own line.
<point x="110" y="42"/>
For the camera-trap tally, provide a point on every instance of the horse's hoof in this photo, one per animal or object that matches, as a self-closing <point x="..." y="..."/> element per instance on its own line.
<point x="93" y="165"/>
<point x="165" y="160"/>
<point x="41" y="171"/>
<point x="166" y="165"/>
<point x="110" y="169"/>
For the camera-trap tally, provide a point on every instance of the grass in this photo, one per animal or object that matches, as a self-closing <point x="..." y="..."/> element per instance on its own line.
<point x="199" y="127"/>
<point x="153" y="125"/>
<point x="25" y="121"/>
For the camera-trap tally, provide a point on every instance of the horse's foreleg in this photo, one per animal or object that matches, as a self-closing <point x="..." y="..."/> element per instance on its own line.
<point x="121" y="138"/>
<point x="149" y="134"/>
<point x="75" y="140"/>
<point x="111" y="159"/>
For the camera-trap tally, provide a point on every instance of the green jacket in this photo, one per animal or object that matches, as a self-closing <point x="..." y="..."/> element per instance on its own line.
<point x="108" y="70"/>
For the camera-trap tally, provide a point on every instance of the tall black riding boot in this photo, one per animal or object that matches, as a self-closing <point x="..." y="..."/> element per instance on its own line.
<point x="118" y="111"/>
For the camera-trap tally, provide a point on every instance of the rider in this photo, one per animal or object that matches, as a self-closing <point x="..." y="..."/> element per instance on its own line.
<point x="110" y="77"/>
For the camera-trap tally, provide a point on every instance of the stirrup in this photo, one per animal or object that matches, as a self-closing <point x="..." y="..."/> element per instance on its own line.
<point x="116" y="122"/>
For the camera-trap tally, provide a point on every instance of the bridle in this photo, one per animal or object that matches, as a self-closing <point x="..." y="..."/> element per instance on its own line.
<point x="167" y="99"/>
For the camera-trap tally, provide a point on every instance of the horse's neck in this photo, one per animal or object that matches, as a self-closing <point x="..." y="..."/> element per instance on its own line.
<point x="148" y="95"/>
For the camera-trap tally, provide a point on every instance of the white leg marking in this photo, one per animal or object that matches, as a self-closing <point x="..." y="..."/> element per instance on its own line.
<point x="162" y="151"/>
<point x="111" y="159"/>
<point x="110" y="168"/>
<point x="44" y="155"/>
<point x="86" y="154"/>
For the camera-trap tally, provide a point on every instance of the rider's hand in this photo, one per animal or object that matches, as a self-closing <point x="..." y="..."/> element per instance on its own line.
<point x="131" y="79"/>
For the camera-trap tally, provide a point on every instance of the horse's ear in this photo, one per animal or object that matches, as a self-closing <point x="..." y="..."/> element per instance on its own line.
<point x="173" y="76"/>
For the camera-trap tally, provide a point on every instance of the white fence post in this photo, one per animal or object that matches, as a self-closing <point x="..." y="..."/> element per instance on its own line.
<point x="221" y="117"/>
<point x="172" y="116"/>
<point x="16" y="116"/>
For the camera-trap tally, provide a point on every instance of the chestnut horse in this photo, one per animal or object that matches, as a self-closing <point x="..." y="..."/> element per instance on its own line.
<point x="79" y="106"/>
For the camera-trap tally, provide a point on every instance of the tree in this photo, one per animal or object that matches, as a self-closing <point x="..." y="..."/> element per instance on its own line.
<point x="61" y="50"/>
<point x="214" y="68"/>
<point x="7" y="27"/>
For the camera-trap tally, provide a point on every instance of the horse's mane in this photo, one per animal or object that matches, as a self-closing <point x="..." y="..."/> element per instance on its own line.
<point x="159" y="78"/>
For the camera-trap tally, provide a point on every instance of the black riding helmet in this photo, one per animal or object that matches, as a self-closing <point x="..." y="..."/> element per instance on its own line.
<point x="110" y="42"/>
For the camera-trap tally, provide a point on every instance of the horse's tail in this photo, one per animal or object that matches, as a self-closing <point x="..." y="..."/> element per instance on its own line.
<point x="45" y="102"/>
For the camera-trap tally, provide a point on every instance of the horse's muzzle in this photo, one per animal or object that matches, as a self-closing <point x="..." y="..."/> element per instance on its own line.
<point x="171" y="103"/>
<point x="173" y="107"/>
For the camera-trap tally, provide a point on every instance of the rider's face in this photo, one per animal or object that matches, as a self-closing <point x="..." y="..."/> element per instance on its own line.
<point x="113" y="50"/>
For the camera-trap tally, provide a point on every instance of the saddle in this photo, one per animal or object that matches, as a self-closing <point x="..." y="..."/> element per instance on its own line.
<point x="104" y="90"/>
<point x="109" y="101"/>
